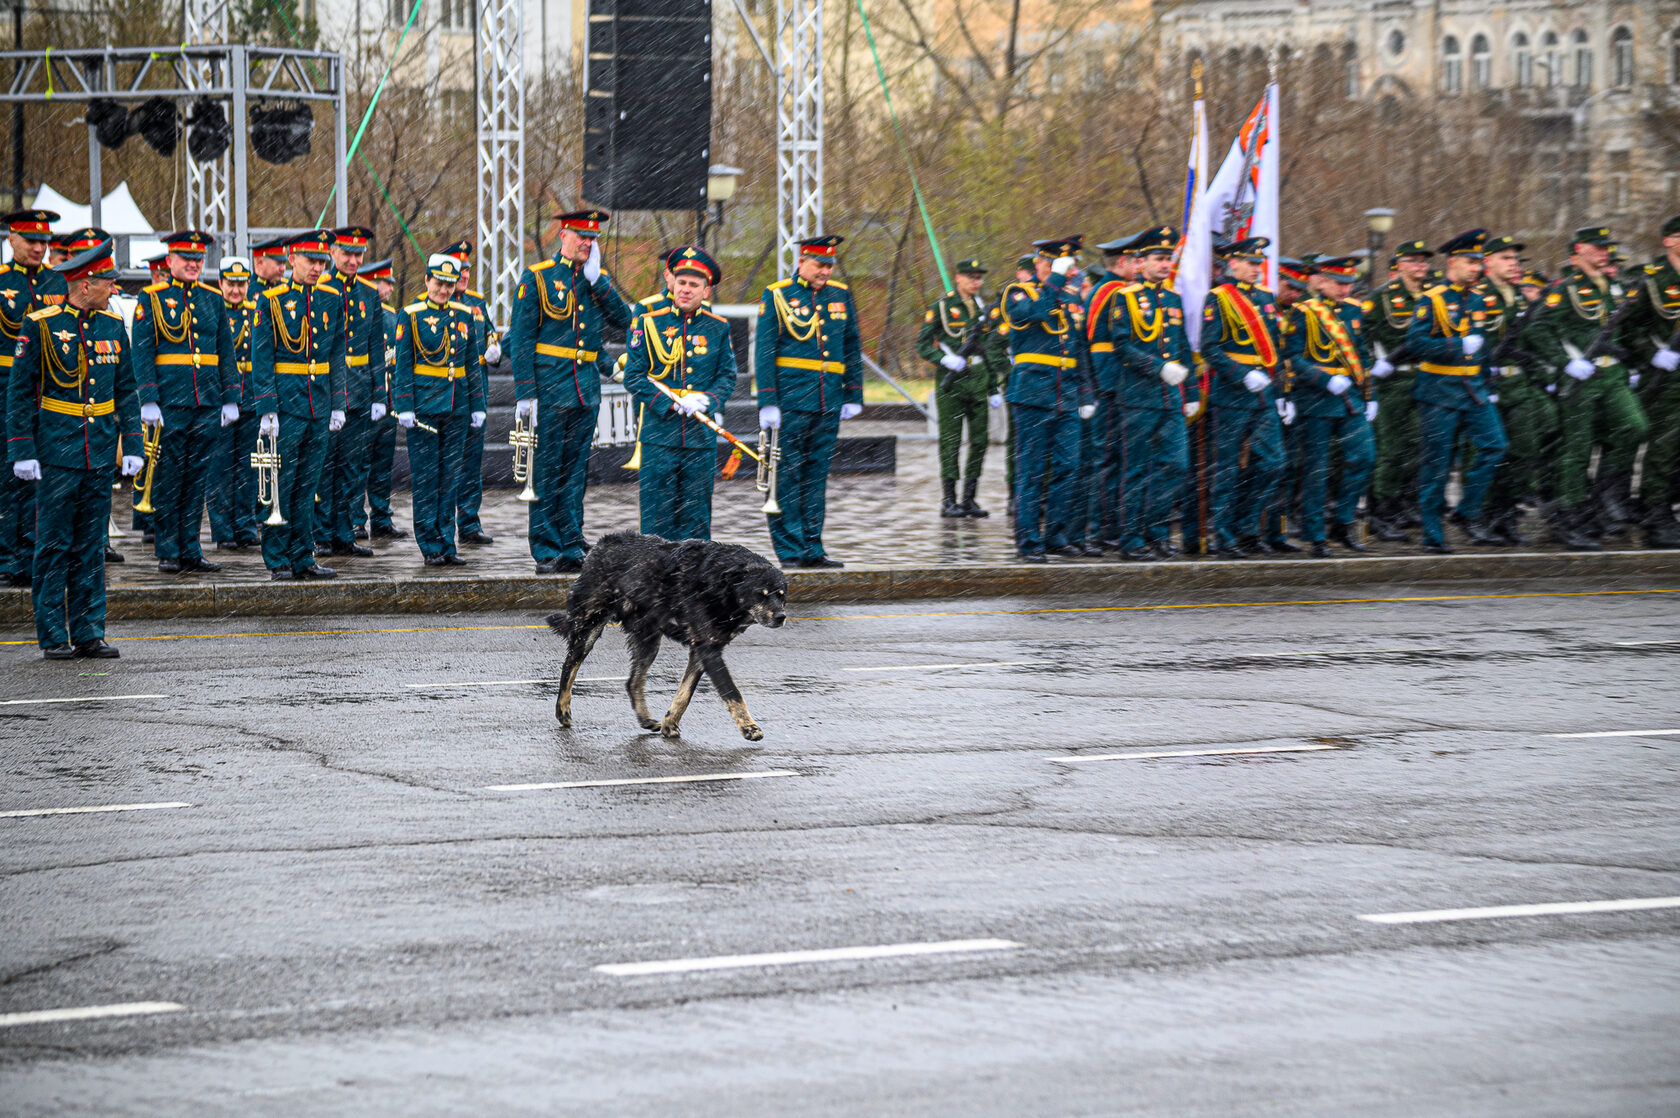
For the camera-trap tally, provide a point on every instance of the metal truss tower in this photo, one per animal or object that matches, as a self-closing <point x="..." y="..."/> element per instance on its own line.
<point x="209" y="197"/>
<point x="500" y="99"/>
<point x="799" y="127"/>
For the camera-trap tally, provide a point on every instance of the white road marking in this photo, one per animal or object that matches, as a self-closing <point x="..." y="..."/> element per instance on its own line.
<point x="1620" y="734"/>
<point x="1636" y="644"/>
<point x="1561" y="908"/>
<point x="512" y="682"/>
<point x="1237" y="751"/>
<point x="1330" y="652"/>
<point x="25" y="813"/>
<point x="637" y="780"/>
<point x="942" y="667"/>
<point x="77" y="699"/>
<point x="826" y="955"/>
<point x="87" y="1013"/>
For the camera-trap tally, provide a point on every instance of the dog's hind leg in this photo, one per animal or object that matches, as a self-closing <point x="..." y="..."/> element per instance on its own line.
<point x="643" y="648"/>
<point x="578" y="645"/>
<point x="685" y="693"/>
<point x="711" y="657"/>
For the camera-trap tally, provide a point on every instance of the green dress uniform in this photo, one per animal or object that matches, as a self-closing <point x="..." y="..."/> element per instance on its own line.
<point x="22" y="289"/>
<point x="1147" y="322"/>
<point x="1240" y="338"/>
<point x="1525" y="410"/>
<point x="961" y="395"/>
<point x="437" y="379"/>
<point x="554" y="343"/>
<point x="344" y="476"/>
<point x="233" y="483"/>
<point x="469" y="491"/>
<point x="70" y="401"/>
<point x="1387" y="313"/>
<point x="1329" y="387"/>
<point x="297" y="369"/>
<point x="1652" y="327"/>
<point x="382" y="446"/>
<point x="808" y="358"/>
<point x="1085" y="529"/>
<point x="184" y="362"/>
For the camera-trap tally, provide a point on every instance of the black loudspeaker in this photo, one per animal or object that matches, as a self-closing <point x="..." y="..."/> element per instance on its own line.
<point x="648" y="104"/>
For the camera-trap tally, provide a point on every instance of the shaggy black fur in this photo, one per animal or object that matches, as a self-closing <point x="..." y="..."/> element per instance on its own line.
<point x="701" y="593"/>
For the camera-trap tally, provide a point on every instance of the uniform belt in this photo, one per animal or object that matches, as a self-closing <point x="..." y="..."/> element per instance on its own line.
<point x="198" y="360"/>
<point x="1102" y="347"/>
<point x="567" y="351"/>
<point x="811" y="364"/>
<point x="5" y="360"/>
<point x="68" y="407"/>
<point x="356" y="361"/>
<point x="303" y="368"/>
<point x="454" y="372"/>
<point x="244" y="366"/>
<point x="1450" y="370"/>
<point x="1045" y="359"/>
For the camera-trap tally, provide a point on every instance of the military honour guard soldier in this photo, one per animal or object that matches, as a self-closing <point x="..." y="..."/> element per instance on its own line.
<point x="344" y="477"/>
<point x="438" y="396"/>
<point x="1651" y="333"/>
<point x="373" y="520"/>
<point x="72" y="244"/>
<point x="297" y="369"/>
<point x="233" y="484"/>
<point x="808" y="360"/>
<point x="25" y="285"/>
<point x="1240" y="347"/>
<point x="686" y="349"/>
<point x="1116" y="272"/>
<point x="958" y="339"/>
<point x="1526" y="411"/>
<point x="554" y="343"/>
<point x="71" y="409"/>
<point x="268" y="264"/>
<point x="185" y="366"/>
<point x="1448" y="337"/>
<point x="1388" y="312"/>
<point x="469" y="495"/>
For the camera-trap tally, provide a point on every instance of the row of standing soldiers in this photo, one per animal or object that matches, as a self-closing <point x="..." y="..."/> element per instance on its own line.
<point x="1310" y="408"/>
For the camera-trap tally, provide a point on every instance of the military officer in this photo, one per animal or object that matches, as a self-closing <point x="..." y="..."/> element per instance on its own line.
<point x="268" y="264"/>
<point x="1448" y="337"/>
<point x="70" y="401"/>
<point x="1049" y="396"/>
<point x="470" y="484"/>
<point x="1332" y="402"/>
<point x="438" y="396"/>
<point x="1116" y="273"/>
<point x="297" y="370"/>
<point x="65" y="246"/>
<point x="344" y="476"/>
<point x="554" y="341"/>
<point x="1085" y="524"/>
<point x="809" y="362"/>
<point x="382" y="442"/>
<point x="686" y="348"/>
<point x="1388" y="312"/>
<point x="25" y="285"/>
<point x="1651" y="335"/>
<point x="1298" y="279"/>
<point x="1240" y="347"/>
<point x="233" y="484"/>
<point x="967" y="382"/>
<point x="186" y="368"/>
<point x="1525" y="410"/>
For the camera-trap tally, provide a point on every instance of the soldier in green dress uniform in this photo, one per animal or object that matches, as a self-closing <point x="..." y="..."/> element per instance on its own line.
<point x="1651" y="334"/>
<point x="374" y="518"/>
<point x="1388" y="312"/>
<point x="25" y="285"/>
<point x="188" y="377"/>
<point x="268" y="265"/>
<point x="70" y="402"/>
<point x="1525" y="410"/>
<point x="965" y="384"/>
<point x="233" y="484"/>
<point x="344" y="477"/>
<point x="469" y="482"/>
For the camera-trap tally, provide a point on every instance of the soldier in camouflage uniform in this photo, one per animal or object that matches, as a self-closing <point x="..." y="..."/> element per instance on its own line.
<point x="968" y="385"/>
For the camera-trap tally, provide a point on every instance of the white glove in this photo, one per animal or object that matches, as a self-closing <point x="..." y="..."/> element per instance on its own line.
<point x="1666" y="359"/>
<point x="335" y="421"/>
<point x="954" y="363"/>
<point x="1192" y="409"/>
<point x="1493" y="397"/>
<point x="526" y="410"/>
<point x="405" y="420"/>
<point x="378" y="411"/>
<point x="1062" y="266"/>
<point x="1256" y="381"/>
<point x="770" y="418"/>
<point x="151" y="414"/>
<point x="1173" y="374"/>
<point x="27" y="469"/>
<point x="269" y="426"/>
<point x="1579" y="368"/>
<point x="493" y="353"/>
<point x="1472" y="345"/>
<point x="693" y="403"/>
<point x="1370" y="411"/>
<point x="995" y="401"/>
<point x="1339" y="384"/>
<point x="1286" y="411"/>
<point x="230" y="414"/>
<point x="1382" y="370"/>
<point x="850" y="411"/>
<point x="1086" y="411"/>
<point x="592" y="263"/>
<point x="1551" y="390"/>
<point x="132" y="464"/>
<point x="475" y="420"/>
<point x="1633" y="380"/>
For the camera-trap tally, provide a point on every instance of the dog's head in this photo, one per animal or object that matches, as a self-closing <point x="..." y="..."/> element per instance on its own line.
<point x="763" y="592"/>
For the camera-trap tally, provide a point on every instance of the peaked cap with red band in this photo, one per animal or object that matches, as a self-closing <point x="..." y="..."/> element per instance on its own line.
<point x="376" y="269"/>
<point x="31" y="225"/>
<point x="98" y="262"/>
<point x="188" y="244"/>
<point x="352" y="238"/>
<point x="313" y="243"/>
<point x="693" y="260"/>
<point x="585" y="223"/>
<point x="823" y="248"/>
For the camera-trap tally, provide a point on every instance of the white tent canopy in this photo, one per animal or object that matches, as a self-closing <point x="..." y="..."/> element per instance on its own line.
<point x="118" y="215"/>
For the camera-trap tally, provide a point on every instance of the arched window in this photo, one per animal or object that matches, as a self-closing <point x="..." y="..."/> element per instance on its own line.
<point x="1582" y="50"/>
<point x="1551" y="60"/>
<point x="1396" y="43"/>
<point x="1452" y="66"/>
<point x="1481" y="63"/>
<point x="1522" y="61"/>
<point x="1621" y="58"/>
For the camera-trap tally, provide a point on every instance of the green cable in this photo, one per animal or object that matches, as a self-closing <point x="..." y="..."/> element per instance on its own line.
<point x="378" y="91"/>
<point x="892" y="114"/>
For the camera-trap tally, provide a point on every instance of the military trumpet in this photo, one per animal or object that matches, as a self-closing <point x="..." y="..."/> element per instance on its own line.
<point x="769" y="466"/>
<point x="523" y="440"/>
<point x="266" y="461"/>
<point x="151" y="439"/>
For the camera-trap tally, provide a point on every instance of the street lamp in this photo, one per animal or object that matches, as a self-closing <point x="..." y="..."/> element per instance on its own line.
<point x="1377" y="224"/>
<point x="720" y="188"/>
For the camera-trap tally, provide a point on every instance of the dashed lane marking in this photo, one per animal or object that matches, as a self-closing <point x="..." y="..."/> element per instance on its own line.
<point x="26" y="813"/>
<point x="1636" y="644"/>
<point x="622" y="782"/>
<point x="942" y="667"/>
<point x="1497" y="912"/>
<point x="1159" y="753"/>
<point x="76" y="699"/>
<point x="1620" y="734"/>
<point x="826" y="955"/>
<point x="1238" y="654"/>
<point x="511" y="682"/>
<point x="87" y="1013"/>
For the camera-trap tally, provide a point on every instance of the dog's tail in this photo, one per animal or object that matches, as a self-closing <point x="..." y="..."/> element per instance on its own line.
<point x="558" y="622"/>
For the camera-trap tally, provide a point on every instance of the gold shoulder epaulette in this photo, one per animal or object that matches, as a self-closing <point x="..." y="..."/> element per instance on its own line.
<point x="1431" y="292"/>
<point x="837" y="283"/>
<point x="328" y="288"/>
<point x="389" y="307"/>
<point x="457" y="305"/>
<point x="112" y="313"/>
<point x="367" y="282"/>
<point x="541" y="264"/>
<point x="45" y="312"/>
<point x="778" y="283"/>
<point x="214" y="291"/>
<point x="655" y="312"/>
<point x="6" y="267"/>
<point x="713" y="314"/>
<point x="156" y="287"/>
<point x="415" y="307"/>
<point x="249" y="304"/>
<point x="650" y="300"/>
<point x="1131" y="287"/>
<point x="474" y="294"/>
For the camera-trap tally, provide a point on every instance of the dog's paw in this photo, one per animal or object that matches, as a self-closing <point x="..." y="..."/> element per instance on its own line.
<point x="651" y="724"/>
<point x="670" y="729"/>
<point x="751" y="732"/>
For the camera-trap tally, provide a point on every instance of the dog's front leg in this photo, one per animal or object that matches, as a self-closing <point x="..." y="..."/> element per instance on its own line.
<point x="577" y="647"/>
<point x="711" y="657"/>
<point x="685" y="693"/>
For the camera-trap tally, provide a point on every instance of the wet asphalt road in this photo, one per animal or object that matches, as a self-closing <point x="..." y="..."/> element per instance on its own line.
<point x="354" y="924"/>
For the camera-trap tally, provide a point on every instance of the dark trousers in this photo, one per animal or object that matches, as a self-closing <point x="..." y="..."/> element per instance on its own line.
<point x="807" y="442"/>
<point x="434" y="461"/>
<point x="1041" y="434"/>
<point x="1442" y="428"/>
<point x="72" y="508"/>
<point x="189" y="441"/>
<point x="343" y="479"/>
<point x="1359" y="458"/>
<point x="1155" y="457"/>
<point x="564" y="437"/>
<point x="233" y="483"/>
<point x="1088" y="488"/>
<point x="17" y="524"/>
<point x="469" y="482"/>
<point x="1241" y="492"/>
<point x="303" y="454"/>
<point x="676" y="491"/>
<point x="382" y="451"/>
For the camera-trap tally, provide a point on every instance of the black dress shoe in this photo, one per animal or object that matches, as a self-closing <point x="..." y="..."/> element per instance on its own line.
<point x="1163" y="549"/>
<point x="200" y="564"/>
<point x="480" y="538"/>
<point x="454" y="561"/>
<point x="315" y="570"/>
<point x="1343" y="534"/>
<point x="228" y="545"/>
<point x="355" y="549"/>
<point x="283" y="574"/>
<point x="8" y="579"/>
<point x="1437" y="548"/>
<point x="1321" y="550"/>
<point x="1034" y="557"/>
<point x="1389" y="532"/>
<point x="96" y="650"/>
<point x="169" y="566"/>
<point x="1091" y="550"/>
<point x="823" y="563"/>
<point x="59" y="652"/>
<point x="1067" y="550"/>
<point x="112" y="555"/>
<point x="568" y="566"/>
<point x="547" y="566"/>
<point x="1144" y="554"/>
<point x="1232" y="551"/>
<point x="434" y="560"/>
<point x="390" y="532"/>
<point x="322" y="550"/>
<point x="1281" y="546"/>
<point x="1481" y="534"/>
<point x="361" y="533"/>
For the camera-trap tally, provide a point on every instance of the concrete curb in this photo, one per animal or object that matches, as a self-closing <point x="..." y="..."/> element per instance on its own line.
<point x="1117" y="580"/>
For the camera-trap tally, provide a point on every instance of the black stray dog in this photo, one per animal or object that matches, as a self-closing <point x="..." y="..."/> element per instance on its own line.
<point x="701" y="593"/>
